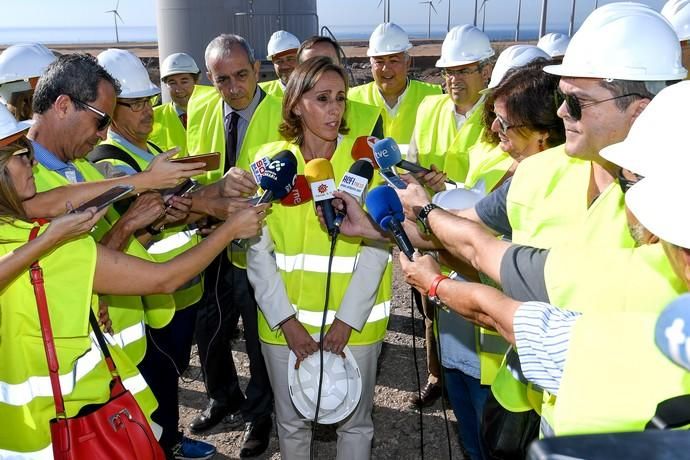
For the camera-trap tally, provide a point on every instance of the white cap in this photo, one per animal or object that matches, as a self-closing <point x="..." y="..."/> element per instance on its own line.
<point x="9" y="126"/>
<point x="555" y="44"/>
<point x="464" y="45"/>
<point x="678" y="14"/>
<point x="655" y="144"/>
<point x="24" y="61"/>
<point x="341" y="385"/>
<point x="281" y="41"/>
<point x="623" y="41"/>
<point x="659" y="203"/>
<point x="178" y="63"/>
<point x="512" y="57"/>
<point x="129" y="71"/>
<point x="388" y="38"/>
<point x="458" y="198"/>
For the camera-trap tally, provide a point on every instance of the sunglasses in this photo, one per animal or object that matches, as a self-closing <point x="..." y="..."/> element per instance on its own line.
<point x="104" y="119"/>
<point x="575" y="107"/>
<point x="626" y="183"/>
<point x="139" y="104"/>
<point x="503" y="125"/>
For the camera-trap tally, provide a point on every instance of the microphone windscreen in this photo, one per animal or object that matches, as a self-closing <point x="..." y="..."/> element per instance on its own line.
<point x="387" y="153"/>
<point x="280" y="174"/>
<point x="299" y="194"/>
<point x="362" y="149"/>
<point x="383" y="204"/>
<point x="672" y="331"/>
<point x="362" y="168"/>
<point x="318" y="169"/>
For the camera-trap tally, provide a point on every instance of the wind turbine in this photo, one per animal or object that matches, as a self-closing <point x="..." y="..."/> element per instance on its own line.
<point x="115" y="16"/>
<point x="386" y="10"/>
<point x="483" y="7"/>
<point x="431" y="7"/>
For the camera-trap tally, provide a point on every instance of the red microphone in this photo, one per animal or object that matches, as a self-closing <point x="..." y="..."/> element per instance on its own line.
<point x="299" y="194"/>
<point x="363" y="149"/>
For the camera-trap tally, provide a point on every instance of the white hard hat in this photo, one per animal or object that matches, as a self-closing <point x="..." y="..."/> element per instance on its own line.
<point x="178" y="63"/>
<point x="388" y="38"/>
<point x="512" y="57"/>
<point x="623" y="41"/>
<point x="678" y="14"/>
<point x="129" y="71"/>
<point x="281" y="41"/>
<point x="8" y="89"/>
<point x="340" y="390"/>
<point x="459" y="198"/>
<point x="554" y="44"/>
<point x="658" y="202"/>
<point x="655" y="144"/>
<point x="9" y="127"/>
<point x="24" y="61"/>
<point x="464" y="45"/>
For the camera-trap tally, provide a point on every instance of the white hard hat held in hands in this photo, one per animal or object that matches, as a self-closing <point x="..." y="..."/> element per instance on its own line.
<point x="512" y="57"/>
<point x="678" y="14"/>
<point x="555" y="44"/>
<point x="388" y="38"/>
<point x="464" y="45"/>
<point x="178" y="63"/>
<point x="623" y="41"/>
<point x="129" y="71"/>
<point x="280" y="42"/>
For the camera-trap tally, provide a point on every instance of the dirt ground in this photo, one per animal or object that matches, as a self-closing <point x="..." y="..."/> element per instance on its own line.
<point x="396" y="424"/>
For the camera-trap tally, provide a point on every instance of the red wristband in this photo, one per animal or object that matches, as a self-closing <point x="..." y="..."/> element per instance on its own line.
<point x="434" y="285"/>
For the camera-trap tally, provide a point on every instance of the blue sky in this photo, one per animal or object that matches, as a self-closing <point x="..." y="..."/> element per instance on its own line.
<point x="66" y="13"/>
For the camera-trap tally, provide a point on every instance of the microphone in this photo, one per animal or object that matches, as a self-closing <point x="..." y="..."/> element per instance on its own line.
<point x="355" y="182"/>
<point x="279" y="177"/>
<point x="385" y="208"/>
<point x="299" y="194"/>
<point x="387" y="154"/>
<point x="362" y="149"/>
<point x="673" y="330"/>
<point x="319" y="175"/>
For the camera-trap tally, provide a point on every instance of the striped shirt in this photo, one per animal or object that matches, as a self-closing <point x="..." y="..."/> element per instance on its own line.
<point x="542" y="336"/>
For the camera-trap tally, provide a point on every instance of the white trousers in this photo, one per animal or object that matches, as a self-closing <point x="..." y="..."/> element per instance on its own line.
<point x="294" y="433"/>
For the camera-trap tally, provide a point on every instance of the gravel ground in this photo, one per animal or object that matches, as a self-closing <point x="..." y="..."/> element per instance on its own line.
<point x="397" y="429"/>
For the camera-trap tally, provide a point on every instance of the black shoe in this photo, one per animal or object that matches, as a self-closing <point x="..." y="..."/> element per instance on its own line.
<point x="430" y="393"/>
<point x="256" y="437"/>
<point x="210" y="417"/>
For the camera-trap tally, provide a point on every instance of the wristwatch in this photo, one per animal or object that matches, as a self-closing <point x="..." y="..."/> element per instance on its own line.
<point x="423" y="217"/>
<point x="433" y="296"/>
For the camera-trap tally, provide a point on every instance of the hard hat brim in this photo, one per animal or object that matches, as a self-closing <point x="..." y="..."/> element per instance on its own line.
<point x="374" y="53"/>
<point x="563" y="70"/>
<point x="152" y="90"/>
<point x="21" y="128"/>
<point x="178" y="72"/>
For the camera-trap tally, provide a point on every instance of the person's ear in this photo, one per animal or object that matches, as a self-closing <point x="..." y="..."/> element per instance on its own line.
<point x="62" y="105"/>
<point x="638" y="107"/>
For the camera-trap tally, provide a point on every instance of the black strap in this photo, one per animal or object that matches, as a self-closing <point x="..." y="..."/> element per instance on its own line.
<point x="672" y="413"/>
<point x="99" y="335"/>
<point x="110" y="152"/>
<point x="154" y="147"/>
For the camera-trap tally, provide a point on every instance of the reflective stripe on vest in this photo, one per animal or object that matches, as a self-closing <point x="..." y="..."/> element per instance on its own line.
<point x="172" y="242"/>
<point x="400" y="126"/>
<point x="168" y="131"/>
<point x="313" y="318"/>
<point x="315" y="263"/>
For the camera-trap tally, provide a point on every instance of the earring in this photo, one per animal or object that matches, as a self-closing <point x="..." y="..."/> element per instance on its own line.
<point x="541" y="144"/>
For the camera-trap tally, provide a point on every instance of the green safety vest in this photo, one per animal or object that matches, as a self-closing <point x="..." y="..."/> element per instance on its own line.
<point x="273" y="87"/>
<point x="26" y="396"/>
<point x="129" y="314"/>
<point x="170" y="243"/>
<point x="400" y="126"/>
<point x="438" y="140"/>
<point x="301" y="252"/>
<point x="168" y="131"/>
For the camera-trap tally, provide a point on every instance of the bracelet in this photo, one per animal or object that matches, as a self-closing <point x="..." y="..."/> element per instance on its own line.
<point x="153" y="231"/>
<point x="434" y="286"/>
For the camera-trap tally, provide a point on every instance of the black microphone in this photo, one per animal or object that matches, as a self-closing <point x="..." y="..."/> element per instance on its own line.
<point x="355" y="182"/>
<point x="385" y="208"/>
<point x="279" y="177"/>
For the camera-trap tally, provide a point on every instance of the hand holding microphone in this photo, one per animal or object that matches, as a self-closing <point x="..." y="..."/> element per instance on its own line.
<point x="385" y="208"/>
<point x="279" y="177"/>
<point x="387" y="155"/>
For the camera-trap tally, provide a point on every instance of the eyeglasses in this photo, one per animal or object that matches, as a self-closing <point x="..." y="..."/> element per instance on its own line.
<point x="459" y="72"/>
<point x="503" y="125"/>
<point x="575" y="107"/>
<point x="626" y="183"/>
<point x="104" y="120"/>
<point x="139" y="104"/>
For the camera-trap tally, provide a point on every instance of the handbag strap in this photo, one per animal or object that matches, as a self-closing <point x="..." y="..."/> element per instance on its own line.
<point x="37" y="281"/>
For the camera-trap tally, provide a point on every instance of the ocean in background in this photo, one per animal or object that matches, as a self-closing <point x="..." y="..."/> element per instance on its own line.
<point x="66" y="35"/>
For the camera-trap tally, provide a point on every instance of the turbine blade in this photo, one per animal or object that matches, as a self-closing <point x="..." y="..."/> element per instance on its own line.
<point x="118" y="15"/>
<point x="379" y="5"/>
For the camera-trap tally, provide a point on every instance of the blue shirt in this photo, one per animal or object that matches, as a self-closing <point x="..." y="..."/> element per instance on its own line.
<point x="51" y="162"/>
<point x="143" y="154"/>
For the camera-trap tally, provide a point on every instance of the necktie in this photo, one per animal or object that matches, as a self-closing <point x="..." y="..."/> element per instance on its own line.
<point x="230" y="140"/>
<point x="183" y="119"/>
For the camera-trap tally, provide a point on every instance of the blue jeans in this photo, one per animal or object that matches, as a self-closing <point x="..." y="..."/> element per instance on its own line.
<point x="467" y="397"/>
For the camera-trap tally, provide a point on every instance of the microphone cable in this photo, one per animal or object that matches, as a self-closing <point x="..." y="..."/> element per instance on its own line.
<point x="416" y="373"/>
<point x="442" y="379"/>
<point x="334" y="237"/>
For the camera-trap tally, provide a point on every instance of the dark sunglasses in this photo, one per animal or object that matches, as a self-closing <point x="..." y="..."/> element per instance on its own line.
<point x="575" y="107"/>
<point x="104" y="120"/>
<point x="626" y="183"/>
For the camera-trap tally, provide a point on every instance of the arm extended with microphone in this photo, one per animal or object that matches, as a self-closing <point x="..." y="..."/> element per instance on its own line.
<point x="387" y="155"/>
<point x="385" y="208"/>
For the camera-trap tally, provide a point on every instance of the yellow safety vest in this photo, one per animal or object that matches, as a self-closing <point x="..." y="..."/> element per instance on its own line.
<point x="129" y="314"/>
<point x="168" y="131"/>
<point x="438" y="140"/>
<point x="489" y="164"/>
<point x="273" y="87"/>
<point x="400" y="126"/>
<point x="170" y="243"/>
<point x="26" y="397"/>
<point x="301" y="251"/>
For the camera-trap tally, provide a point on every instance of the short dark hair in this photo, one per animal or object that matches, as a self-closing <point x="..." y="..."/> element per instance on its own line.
<point x="528" y="92"/>
<point x="222" y="46"/>
<point x="302" y="79"/>
<point x="636" y="89"/>
<point x="310" y="42"/>
<point x="75" y="75"/>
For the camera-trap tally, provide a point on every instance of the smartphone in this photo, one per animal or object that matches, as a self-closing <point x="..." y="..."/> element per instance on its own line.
<point x="185" y="188"/>
<point x="392" y="178"/>
<point x="211" y="160"/>
<point x="106" y="198"/>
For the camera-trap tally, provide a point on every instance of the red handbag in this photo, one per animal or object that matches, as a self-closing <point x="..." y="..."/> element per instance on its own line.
<point x="115" y="430"/>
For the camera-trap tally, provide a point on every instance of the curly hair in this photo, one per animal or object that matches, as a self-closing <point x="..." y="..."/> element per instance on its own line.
<point x="304" y="78"/>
